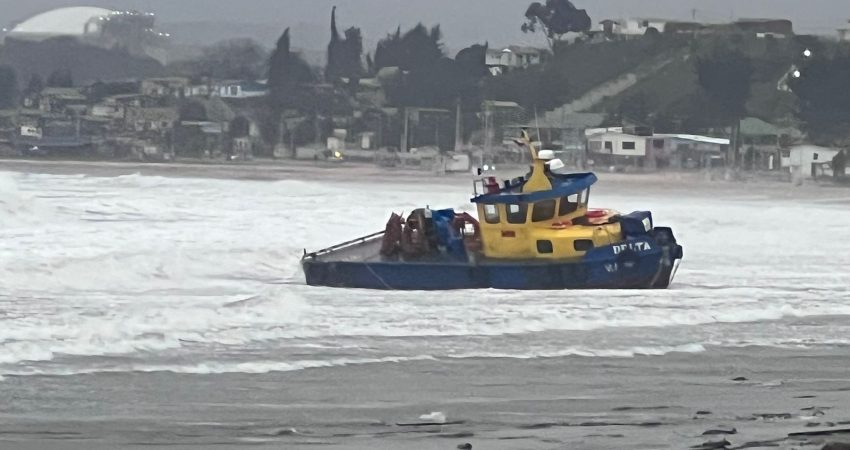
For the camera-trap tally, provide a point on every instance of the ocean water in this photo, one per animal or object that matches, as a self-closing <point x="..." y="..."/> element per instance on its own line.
<point x="197" y="276"/>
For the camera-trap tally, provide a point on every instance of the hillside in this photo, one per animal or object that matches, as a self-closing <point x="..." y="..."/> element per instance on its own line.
<point x="674" y="90"/>
<point x="86" y="63"/>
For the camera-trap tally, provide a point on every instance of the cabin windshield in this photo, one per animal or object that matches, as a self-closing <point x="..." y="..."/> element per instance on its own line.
<point x="517" y="213"/>
<point x="543" y="211"/>
<point x="491" y="214"/>
<point x="569" y="204"/>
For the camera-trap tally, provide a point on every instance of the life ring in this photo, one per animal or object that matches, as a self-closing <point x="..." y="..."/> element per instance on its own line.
<point x="596" y="213"/>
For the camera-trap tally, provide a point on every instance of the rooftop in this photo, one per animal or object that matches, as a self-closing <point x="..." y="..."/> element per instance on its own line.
<point x="62" y="21"/>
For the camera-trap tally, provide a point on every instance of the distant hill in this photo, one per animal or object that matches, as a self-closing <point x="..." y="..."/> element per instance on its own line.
<point x="309" y="39"/>
<point x="86" y="63"/>
<point x="674" y="88"/>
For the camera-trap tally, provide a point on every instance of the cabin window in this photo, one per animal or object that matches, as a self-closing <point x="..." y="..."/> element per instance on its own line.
<point x="491" y="214"/>
<point x="517" y="213"/>
<point x="609" y="145"/>
<point x="583" y="245"/>
<point x="585" y="198"/>
<point x="628" y="145"/>
<point x="568" y="205"/>
<point x="545" y="247"/>
<point x="543" y="211"/>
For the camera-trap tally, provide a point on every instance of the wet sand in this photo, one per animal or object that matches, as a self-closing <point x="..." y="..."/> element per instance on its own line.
<point x="674" y="401"/>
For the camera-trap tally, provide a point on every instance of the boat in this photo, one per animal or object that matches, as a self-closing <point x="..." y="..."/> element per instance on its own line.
<point x="533" y="232"/>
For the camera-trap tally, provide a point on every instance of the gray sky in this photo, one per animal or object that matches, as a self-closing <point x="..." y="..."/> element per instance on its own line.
<point x="463" y="21"/>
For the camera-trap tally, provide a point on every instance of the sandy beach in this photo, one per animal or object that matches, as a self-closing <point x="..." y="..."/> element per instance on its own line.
<point x="162" y="305"/>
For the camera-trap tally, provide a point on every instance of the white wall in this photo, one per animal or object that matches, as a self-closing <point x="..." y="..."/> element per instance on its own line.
<point x="617" y="141"/>
<point x="802" y="157"/>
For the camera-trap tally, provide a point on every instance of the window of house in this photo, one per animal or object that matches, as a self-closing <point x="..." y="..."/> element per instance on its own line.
<point x="815" y="157"/>
<point x="543" y="211"/>
<point x="517" y="213"/>
<point x="234" y="90"/>
<point x="491" y="214"/>
<point x="609" y="145"/>
<point x="569" y="205"/>
<point x="595" y="146"/>
<point x="628" y="145"/>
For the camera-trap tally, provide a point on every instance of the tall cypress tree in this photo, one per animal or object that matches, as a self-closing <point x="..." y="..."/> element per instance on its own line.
<point x="8" y="87"/>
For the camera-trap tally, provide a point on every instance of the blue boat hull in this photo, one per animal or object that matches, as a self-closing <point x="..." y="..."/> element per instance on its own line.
<point x="645" y="262"/>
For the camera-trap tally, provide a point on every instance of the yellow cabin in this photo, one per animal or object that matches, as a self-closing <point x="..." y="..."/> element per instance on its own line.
<point x="542" y="216"/>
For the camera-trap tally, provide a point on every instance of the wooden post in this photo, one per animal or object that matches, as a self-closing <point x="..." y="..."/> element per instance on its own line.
<point x="458" y="128"/>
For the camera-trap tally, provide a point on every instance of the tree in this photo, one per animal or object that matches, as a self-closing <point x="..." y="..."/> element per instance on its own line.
<point x="344" y="54"/>
<point x="823" y="92"/>
<point x="242" y="59"/>
<point x="415" y="49"/>
<point x="61" y="78"/>
<point x="286" y="72"/>
<point x="554" y="19"/>
<point x="192" y="110"/>
<point x="725" y="77"/>
<point x="8" y="87"/>
<point x="35" y="85"/>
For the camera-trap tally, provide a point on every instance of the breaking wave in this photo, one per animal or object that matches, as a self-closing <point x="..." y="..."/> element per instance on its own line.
<point x="139" y="273"/>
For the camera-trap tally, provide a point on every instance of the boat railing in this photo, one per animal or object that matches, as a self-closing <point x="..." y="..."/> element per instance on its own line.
<point x="342" y="246"/>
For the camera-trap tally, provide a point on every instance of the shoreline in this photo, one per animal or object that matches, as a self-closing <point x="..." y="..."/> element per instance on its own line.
<point x="699" y="184"/>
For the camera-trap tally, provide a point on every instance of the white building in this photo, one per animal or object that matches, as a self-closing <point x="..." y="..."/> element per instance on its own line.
<point x="810" y="161"/>
<point x="633" y="26"/>
<point x="614" y="146"/>
<point x="844" y="34"/>
<point x="514" y="57"/>
<point x="241" y="89"/>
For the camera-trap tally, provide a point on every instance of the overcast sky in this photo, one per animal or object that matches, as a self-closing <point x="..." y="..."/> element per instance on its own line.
<point x="463" y="21"/>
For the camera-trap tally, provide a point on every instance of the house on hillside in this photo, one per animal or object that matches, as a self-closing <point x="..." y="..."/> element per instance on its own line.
<point x="633" y="26"/>
<point x="164" y="87"/>
<point x="844" y="34"/>
<point x="564" y="134"/>
<point x="514" y="57"/>
<point x="57" y="100"/>
<point x="240" y="89"/>
<point x="810" y="161"/>
<point x="151" y="119"/>
<point x="644" y="149"/>
<point x="764" y="144"/>
<point x="777" y="28"/>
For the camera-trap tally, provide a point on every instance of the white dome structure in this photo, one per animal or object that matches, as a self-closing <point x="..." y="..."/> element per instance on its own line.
<point x="72" y="21"/>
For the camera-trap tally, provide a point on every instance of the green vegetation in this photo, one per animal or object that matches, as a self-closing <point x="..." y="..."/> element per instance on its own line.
<point x="8" y="87"/>
<point x="824" y="94"/>
<point x="555" y="19"/>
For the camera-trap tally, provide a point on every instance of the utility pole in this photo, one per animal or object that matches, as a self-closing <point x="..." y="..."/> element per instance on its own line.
<point x="458" y="128"/>
<point x="405" y="131"/>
